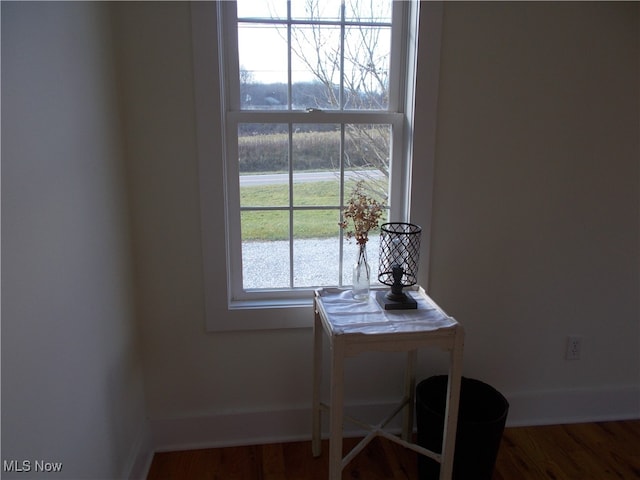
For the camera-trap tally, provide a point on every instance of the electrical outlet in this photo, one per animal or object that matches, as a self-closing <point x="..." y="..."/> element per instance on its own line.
<point x="574" y="345"/>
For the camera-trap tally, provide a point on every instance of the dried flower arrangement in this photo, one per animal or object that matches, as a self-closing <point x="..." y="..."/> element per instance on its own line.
<point x="363" y="211"/>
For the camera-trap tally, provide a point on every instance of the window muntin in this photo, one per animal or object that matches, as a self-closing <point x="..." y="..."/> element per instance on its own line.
<point x="358" y="134"/>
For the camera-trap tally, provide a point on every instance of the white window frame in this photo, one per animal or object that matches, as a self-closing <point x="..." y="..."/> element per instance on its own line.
<point x="209" y="72"/>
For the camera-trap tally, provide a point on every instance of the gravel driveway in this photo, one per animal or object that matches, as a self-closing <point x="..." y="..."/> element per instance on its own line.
<point x="266" y="264"/>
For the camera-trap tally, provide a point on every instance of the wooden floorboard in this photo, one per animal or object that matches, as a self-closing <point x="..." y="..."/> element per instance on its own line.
<point x="593" y="451"/>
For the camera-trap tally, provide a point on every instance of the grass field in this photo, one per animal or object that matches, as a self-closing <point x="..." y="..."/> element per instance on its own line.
<point x="274" y="225"/>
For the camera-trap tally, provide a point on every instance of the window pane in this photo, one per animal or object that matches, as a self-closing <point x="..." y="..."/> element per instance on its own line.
<point x="263" y="164"/>
<point x="262" y="56"/>
<point x="312" y="93"/>
<point x="366" y="68"/>
<point x="367" y="157"/>
<point x="315" y="63"/>
<point x="264" y="225"/>
<point x="316" y="10"/>
<point x="262" y="9"/>
<point x="265" y="249"/>
<point x="316" y="164"/>
<point x="368" y="11"/>
<point x="316" y="248"/>
<point x="264" y="190"/>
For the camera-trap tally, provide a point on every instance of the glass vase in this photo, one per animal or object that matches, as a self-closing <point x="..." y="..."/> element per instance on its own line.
<point x="361" y="275"/>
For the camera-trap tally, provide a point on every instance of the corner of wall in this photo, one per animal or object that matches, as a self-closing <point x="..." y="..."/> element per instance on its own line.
<point x="141" y="455"/>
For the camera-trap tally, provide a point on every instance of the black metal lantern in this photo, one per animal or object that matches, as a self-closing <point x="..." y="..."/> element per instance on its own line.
<point x="399" y="255"/>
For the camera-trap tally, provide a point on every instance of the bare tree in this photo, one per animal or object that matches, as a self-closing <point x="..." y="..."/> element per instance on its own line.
<point x="366" y="58"/>
<point x="364" y="68"/>
<point x="246" y="78"/>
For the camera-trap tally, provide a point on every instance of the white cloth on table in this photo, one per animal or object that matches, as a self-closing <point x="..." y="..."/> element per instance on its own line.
<point x="368" y="317"/>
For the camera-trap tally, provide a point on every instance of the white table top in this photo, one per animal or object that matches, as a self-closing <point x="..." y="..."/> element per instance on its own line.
<point x="349" y="316"/>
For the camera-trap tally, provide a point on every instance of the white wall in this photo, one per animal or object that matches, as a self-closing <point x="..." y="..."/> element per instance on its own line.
<point x="72" y="387"/>
<point x="536" y="196"/>
<point x="535" y="232"/>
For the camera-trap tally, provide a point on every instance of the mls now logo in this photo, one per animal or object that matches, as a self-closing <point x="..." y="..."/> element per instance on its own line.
<point x="16" y="466"/>
<point x="28" y="466"/>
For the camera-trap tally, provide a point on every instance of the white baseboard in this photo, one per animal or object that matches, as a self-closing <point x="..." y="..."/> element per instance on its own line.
<point x="574" y="406"/>
<point x="270" y="426"/>
<point x="254" y="428"/>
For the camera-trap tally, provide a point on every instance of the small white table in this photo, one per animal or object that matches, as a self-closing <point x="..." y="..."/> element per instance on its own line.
<point x="353" y="327"/>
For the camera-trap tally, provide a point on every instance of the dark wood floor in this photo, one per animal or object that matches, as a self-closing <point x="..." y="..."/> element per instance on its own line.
<point x="594" y="451"/>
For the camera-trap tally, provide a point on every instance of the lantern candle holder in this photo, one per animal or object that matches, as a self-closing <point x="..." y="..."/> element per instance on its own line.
<point x="399" y="255"/>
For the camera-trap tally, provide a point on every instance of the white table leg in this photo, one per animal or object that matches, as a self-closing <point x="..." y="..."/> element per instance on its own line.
<point x="451" y="412"/>
<point x="409" y="393"/>
<point x="336" y="414"/>
<point x="316" y="442"/>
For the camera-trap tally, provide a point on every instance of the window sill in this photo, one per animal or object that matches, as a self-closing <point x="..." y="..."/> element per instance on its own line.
<point x="270" y="304"/>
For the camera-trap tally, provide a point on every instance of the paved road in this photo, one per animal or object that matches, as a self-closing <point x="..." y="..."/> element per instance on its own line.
<point x="276" y="178"/>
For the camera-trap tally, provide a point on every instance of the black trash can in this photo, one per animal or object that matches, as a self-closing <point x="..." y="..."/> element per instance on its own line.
<point x="481" y="419"/>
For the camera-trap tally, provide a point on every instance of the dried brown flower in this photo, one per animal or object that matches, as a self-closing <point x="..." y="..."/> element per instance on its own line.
<point x="363" y="212"/>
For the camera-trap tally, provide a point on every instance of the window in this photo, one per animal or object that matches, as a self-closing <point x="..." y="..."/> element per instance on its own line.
<point x="311" y="107"/>
<point x="316" y="95"/>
